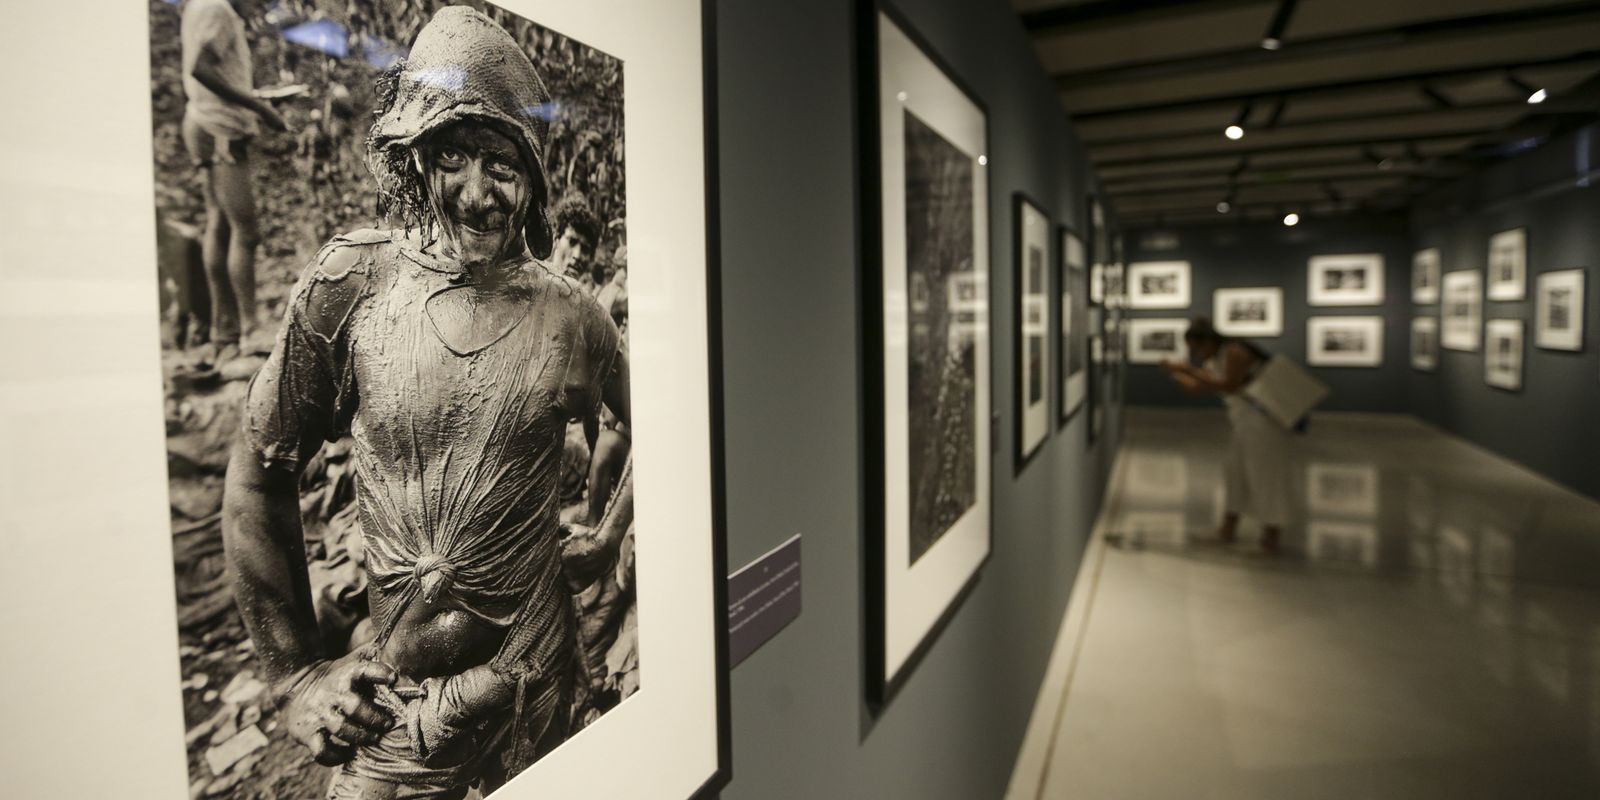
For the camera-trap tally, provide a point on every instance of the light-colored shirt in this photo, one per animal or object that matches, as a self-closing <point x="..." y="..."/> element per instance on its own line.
<point x="213" y="24"/>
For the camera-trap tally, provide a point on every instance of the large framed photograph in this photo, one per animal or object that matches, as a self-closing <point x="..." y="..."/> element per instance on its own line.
<point x="1462" y="310"/>
<point x="443" y="459"/>
<point x="928" y="378"/>
<point x="1559" y="310"/>
<point x="1248" y="312"/>
<point x="1075" y="321"/>
<point x="1508" y="265"/>
<point x="1425" y="344"/>
<point x="1156" y="285"/>
<point x="1155" y="340"/>
<point x="1033" y="348"/>
<point x="1425" y="265"/>
<point x="1345" y="280"/>
<point x="1344" y="341"/>
<point x="1502" y="354"/>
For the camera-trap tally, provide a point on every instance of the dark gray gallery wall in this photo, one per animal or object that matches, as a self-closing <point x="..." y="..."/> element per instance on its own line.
<point x="1553" y="424"/>
<point x="1256" y="254"/>
<point x="789" y="228"/>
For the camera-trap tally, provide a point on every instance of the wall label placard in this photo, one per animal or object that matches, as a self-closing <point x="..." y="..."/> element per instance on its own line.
<point x="763" y="598"/>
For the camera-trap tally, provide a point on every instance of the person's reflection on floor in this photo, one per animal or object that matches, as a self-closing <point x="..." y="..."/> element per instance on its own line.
<point x="1257" y="467"/>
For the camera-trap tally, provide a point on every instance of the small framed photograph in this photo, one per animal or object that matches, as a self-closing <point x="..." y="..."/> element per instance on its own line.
<point x="1508" y="265"/>
<point x="1424" y="344"/>
<point x="1075" y="319"/>
<point x="1463" y="310"/>
<point x="1559" y="310"/>
<point x="1425" y="277"/>
<point x="1248" y="312"/>
<point x="1345" y="280"/>
<point x="1502" y="354"/>
<point x="1344" y="341"/>
<point x="1156" y="340"/>
<point x="1032" y="345"/>
<point x="1156" y="284"/>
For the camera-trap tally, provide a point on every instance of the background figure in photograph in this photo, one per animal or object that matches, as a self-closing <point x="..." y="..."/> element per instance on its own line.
<point x="219" y="120"/>
<point x="1257" y="477"/>
<point x="456" y="359"/>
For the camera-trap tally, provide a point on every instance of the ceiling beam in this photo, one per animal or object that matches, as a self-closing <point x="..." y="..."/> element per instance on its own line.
<point x="1288" y="147"/>
<point x="1101" y="13"/>
<point x="1228" y="185"/>
<point x="1336" y="87"/>
<point x="1417" y="33"/>
<point x="1308" y="125"/>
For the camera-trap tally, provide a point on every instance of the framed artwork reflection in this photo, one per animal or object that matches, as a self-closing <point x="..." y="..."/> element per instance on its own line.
<point x="929" y="453"/>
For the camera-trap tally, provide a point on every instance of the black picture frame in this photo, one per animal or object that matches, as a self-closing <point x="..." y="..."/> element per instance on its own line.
<point x="1022" y="454"/>
<point x="880" y="687"/>
<point x="1079" y="322"/>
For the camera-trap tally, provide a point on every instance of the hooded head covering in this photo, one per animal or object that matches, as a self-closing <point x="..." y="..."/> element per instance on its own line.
<point x="463" y="65"/>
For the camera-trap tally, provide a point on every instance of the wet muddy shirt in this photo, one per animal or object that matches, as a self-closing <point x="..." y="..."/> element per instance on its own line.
<point x="457" y="445"/>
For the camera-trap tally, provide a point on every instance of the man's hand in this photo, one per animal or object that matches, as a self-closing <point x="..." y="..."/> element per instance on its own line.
<point x="584" y="555"/>
<point x="330" y="709"/>
<point x="271" y="118"/>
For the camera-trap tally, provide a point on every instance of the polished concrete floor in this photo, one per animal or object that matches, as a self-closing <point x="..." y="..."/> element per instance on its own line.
<point x="1432" y="630"/>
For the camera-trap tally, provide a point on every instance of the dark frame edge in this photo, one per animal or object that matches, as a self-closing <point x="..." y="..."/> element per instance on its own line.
<point x="723" y="775"/>
<point x="1022" y="456"/>
<point x="1064" y="416"/>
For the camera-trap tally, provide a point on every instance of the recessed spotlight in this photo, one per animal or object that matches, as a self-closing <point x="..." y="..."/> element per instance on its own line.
<point x="1538" y="97"/>
<point x="1233" y="132"/>
<point x="1224" y="207"/>
<point x="983" y="161"/>
<point x="1386" y="165"/>
<point x="1291" y="219"/>
<point x="1271" y="43"/>
<point x="901" y="97"/>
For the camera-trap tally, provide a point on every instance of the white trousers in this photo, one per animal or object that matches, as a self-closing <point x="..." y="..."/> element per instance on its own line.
<point x="1257" y="469"/>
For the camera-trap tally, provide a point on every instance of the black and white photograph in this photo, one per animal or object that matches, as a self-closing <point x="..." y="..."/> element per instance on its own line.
<point x="928" y="369"/>
<point x="1508" y="265"/>
<point x="1425" y="265"/>
<point x="1345" y="280"/>
<point x="1461" y="310"/>
<point x="1035" y="350"/>
<point x="1559" y="310"/>
<point x="1425" y="344"/>
<point x="1248" y="312"/>
<point x="392" y="243"/>
<point x="1154" y="285"/>
<point x="1344" y="341"/>
<point x="1072" y="338"/>
<point x="1502" y="353"/>
<point x="1343" y="489"/>
<point x="1154" y="340"/>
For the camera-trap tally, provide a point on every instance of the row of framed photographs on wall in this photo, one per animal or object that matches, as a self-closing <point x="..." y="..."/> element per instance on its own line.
<point x="1507" y="276"/>
<point x="928" y="377"/>
<point x="1331" y="341"/>
<point x="1332" y="281"/>
<point x="1558" y="325"/>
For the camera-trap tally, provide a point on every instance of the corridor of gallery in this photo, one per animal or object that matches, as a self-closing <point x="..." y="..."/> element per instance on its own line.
<point x="1432" y="629"/>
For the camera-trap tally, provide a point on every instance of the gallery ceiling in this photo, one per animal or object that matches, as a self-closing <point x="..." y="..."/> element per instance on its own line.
<point x="1345" y="105"/>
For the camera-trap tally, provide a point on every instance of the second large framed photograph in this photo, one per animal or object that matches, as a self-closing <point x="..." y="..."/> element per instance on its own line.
<point x="927" y="373"/>
<point x="1033" y="277"/>
<point x="1075" y="321"/>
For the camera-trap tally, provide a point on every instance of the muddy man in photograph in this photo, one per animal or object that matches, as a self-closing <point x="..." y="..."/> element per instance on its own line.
<point x="1257" y="467"/>
<point x="455" y="359"/>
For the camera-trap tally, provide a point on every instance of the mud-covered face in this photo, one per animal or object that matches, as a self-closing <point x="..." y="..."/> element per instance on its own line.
<point x="571" y="253"/>
<point x="479" y="190"/>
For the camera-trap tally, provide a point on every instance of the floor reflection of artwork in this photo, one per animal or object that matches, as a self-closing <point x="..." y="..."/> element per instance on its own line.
<point x="1349" y="542"/>
<point x="942" y="379"/>
<point x="1347" y="489"/>
<point x="1158" y="476"/>
<point x="1145" y="528"/>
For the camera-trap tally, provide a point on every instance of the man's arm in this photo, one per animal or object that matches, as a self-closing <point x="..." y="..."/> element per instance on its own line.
<point x="209" y="74"/>
<point x="588" y="551"/>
